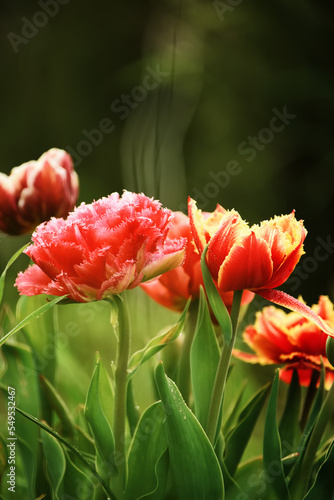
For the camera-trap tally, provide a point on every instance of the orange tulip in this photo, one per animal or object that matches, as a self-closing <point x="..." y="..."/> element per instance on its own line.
<point x="291" y="340"/>
<point x="258" y="258"/>
<point x="240" y="257"/>
<point x="36" y="191"/>
<point x="174" y="288"/>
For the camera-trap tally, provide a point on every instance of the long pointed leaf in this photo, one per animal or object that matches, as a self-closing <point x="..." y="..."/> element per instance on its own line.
<point x="330" y="350"/>
<point x="204" y="359"/>
<point x="100" y="427"/>
<point x="299" y="485"/>
<point x="272" y="453"/>
<point x="34" y="315"/>
<point x="55" y="463"/>
<point x="195" y="470"/>
<point x="252" y="481"/>
<point x="40" y="334"/>
<point x="68" y="445"/>
<point x="237" y="441"/>
<point x="9" y="263"/>
<point x="289" y="428"/>
<point x="158" y="343"/>
<point x="59" y="406"/>
<point x="323" y="486"/>
<point x="148" y="445"/>
<point x="215" y="300"/>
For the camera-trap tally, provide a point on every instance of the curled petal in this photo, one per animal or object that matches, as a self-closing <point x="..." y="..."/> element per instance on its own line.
<point x="283" y="299"/>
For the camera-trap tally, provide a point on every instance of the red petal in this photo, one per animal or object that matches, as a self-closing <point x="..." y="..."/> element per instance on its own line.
<point x="283" y="299"/>
<point x="197" y="225"/>
<point x="248" y="265"/>
<point x="231" y="231"/>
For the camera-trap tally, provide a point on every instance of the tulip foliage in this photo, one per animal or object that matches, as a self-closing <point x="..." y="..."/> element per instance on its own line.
<point x="194" y="437"/>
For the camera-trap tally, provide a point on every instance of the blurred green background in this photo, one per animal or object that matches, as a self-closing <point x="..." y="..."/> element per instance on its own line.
<point x="220" y="69"/>
<point x="185" y="94"/>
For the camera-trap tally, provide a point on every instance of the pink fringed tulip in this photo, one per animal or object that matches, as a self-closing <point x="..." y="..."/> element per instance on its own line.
<point x="174" y="288"/>
<point x="36" y="191"/>
<point x="291" y="340"/>
<point x="101" y="249"/>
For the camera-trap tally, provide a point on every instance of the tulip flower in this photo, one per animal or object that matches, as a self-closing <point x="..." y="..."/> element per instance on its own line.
<point x="36" y="191"/>
<point x="101" y="249"/>
<point x="174" y="288"/>
<point x="258" y="258"/>
<point x="290" y="340"/>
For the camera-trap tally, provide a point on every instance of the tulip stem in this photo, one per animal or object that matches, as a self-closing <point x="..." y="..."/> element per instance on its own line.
<point x="121" y="380"/>
<point x="184" y="367"/>
<point x="221" y="374"/>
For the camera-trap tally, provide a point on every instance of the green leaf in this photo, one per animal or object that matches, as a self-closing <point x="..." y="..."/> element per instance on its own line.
<point x="55" y="463"/>
<point x="132" y="409"/>
<point x="195" y="470"/>
<point x="69" y="446"/>
<point x="204" y="359"/>
<point x="323" y="486"/>
<point x="158" y="343"/>
<point x="313" y="414"/>
<point x="272" y="453"/>
<point x="252" y="481"/>
<point x="307" y="458"/>
<point x="77" y="482"/>
<point x="330" y="350"/>
<point x="9" y="263"/>
<point x="215" y="300"/>
<point x="317" y="404"/>
<point x="289" y="427"/>
<point x="28" y="465"/>
<point x="106" y="393"/>
<point x="40" y="334"/>
<point x="100" y="427"/>
<point x="148" y="445"/>
<point x="59" y="406"/>
<point x="238" y="439"/>
<point x="21" y="375"/>
<point x="233" y="411"/>
<point x="34" y="315"/>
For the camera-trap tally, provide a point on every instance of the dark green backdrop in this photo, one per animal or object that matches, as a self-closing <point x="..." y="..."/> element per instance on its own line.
<point x="177" y="98"/>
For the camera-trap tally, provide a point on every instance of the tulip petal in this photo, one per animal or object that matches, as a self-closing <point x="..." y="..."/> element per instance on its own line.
<point x="204" y="226"/>
<point x="197" y="226"/>
<point x="251" y="358"/>
<point x="162" y="263"/>
<point x="283" y="299"/>
<point x="231" y="231"/>
<point x="247" y="266"/>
